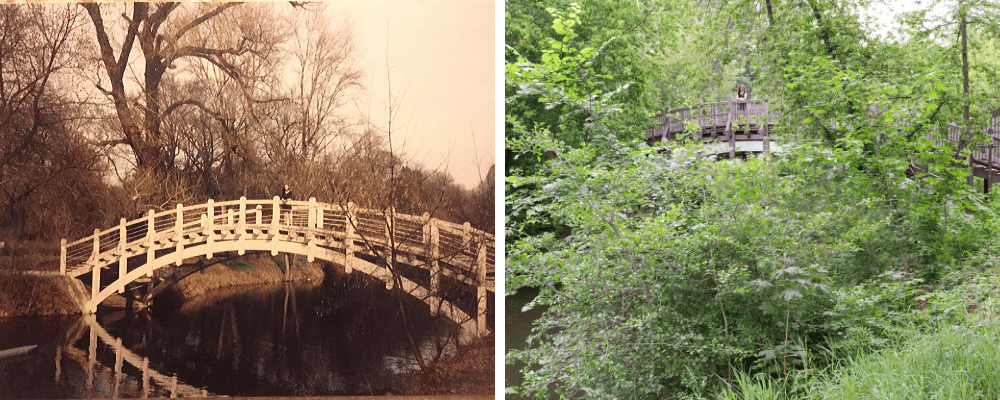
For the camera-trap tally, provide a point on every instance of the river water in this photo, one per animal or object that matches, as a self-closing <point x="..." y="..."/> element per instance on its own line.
<point x="345" y="337"/>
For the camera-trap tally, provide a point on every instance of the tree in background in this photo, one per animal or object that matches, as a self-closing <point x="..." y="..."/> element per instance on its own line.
<point x="49" y="177"/>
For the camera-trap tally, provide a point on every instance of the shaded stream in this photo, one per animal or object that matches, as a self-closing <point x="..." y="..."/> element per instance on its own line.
<point x="344" y="337"/>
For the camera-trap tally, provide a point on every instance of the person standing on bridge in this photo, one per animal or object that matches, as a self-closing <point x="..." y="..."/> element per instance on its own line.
<point x="286" y="209"/>
<point x="741" y="94"/>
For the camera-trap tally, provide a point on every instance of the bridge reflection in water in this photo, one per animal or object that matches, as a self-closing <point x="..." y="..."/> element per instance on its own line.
<point x="343" y="338"/>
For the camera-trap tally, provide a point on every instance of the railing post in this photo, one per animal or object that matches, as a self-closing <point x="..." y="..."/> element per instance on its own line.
<point x="389" y="216"/>
<point x="122" y="258"/>
<point x="276" y="209"/>
<point x="62" y="257"/>
<point x="348" y="238"/>
<point x="95" y="282"/>
<point x="311" y="220"/>
<point x="989" y="169"/>
<point x="178" y="234"/>
<point x="732" y="140"/>
<point x="435" y="255"/>
<point x="319" y="217"/>
<point x="208" y="235"/>
<point x="767" y="131"/>
<point x="481" y="290"/>
<point x="150" y="228"/>
<point x="243" y="216"/>
<point x="179" y="223"/>
<point x="97" y="245"/>
<point x="122" y="235"/>
<point x="211" y="217"/>
<point x="259" y="220"/>
<point x="466" y="236"/>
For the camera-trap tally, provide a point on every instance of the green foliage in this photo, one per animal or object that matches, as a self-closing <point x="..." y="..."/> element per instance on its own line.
<point x="668" y="274"/>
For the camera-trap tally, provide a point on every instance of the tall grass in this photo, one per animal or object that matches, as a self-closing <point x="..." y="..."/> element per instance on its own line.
<point x="956" y="362"/>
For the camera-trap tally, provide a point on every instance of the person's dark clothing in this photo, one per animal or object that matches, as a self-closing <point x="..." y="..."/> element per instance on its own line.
<point x="285" y="196"/>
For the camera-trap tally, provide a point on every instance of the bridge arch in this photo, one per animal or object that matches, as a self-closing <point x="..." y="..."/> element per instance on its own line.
<point x="311" y="229"/>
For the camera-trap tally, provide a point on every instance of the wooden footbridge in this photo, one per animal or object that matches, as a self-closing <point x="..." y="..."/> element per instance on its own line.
<point x="734" y="128"/>
<point x="343" y="234"/>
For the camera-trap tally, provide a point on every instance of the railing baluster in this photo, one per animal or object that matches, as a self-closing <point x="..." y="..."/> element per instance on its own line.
<point x="97" y="245"/>
<point x="243" y="216"/>
<point x="62" y="257"/>
<point x="349" y="222"/>
<point x="211" y="217"/>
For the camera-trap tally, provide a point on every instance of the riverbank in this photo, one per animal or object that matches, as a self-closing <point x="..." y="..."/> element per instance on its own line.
<point x="33" y="295"/>
<point x="253" y="270"/>
<point x="470" y="371"/>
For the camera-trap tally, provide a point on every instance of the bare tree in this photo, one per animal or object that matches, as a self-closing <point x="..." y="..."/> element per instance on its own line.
<point x="373" y="174"/>
<point x="48" y="177"/>
<point x="325" y="76"/>
<point x="169" y="34"/>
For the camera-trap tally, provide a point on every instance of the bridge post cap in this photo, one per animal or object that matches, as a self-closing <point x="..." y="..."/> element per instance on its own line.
<point x="151" y="212"/>
<point x="275" y="198"/>
<point x="243" y="198"/>
<point x="210" y="201"/>
<point x="180" y="206"/>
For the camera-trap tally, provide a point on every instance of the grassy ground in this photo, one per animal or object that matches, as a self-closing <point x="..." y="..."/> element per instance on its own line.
<point x="955" y="362"/>
<point x="955" y="355"/>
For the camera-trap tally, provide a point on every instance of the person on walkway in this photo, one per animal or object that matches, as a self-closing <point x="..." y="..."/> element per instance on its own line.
<point x="286" y="209"/>
<point x="741" y="94"/>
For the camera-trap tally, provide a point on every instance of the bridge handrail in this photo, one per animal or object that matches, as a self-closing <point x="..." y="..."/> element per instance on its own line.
<point x="453" y="238"/>
<point x="723" y="113"/>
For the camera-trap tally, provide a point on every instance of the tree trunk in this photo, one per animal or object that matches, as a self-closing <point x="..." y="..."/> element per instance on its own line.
<point x="770" y="13"/>
<point x="824" y="31"/>
<point x="965" y="61"/>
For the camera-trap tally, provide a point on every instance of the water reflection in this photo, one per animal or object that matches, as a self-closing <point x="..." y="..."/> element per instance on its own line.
<point x="342" y="338"/>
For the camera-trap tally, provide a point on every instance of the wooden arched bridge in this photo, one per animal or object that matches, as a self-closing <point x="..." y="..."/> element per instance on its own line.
<point x="733" y="127"/>
<point x="368" y="241"/>
<point x="737" y="127"/>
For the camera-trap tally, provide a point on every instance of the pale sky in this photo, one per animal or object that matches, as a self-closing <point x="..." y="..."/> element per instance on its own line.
<point x="442" y="54"/>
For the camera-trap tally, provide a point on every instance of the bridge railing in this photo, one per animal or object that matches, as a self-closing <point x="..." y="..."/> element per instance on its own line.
<point x="721" y="115"/>
<point x="258" y="215"/>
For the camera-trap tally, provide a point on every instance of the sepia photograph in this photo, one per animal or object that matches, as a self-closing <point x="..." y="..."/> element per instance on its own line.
<point x="263" y="199"/>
